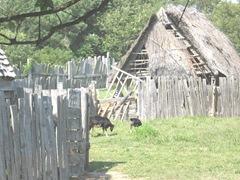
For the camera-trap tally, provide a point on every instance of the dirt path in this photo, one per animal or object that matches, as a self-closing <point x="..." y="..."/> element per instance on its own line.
<point x="104" y="176"/>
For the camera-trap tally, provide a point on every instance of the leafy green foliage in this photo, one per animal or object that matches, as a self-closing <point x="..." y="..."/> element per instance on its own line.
<point x="44" y="4"/>
<point x="226" y="16"/>
<point x="50" y="55"/>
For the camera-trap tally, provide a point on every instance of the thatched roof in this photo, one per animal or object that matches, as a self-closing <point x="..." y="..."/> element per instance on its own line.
<point x="195" y="47"/>
<point x="6" y="70"/>
<point x="210" y="42"/>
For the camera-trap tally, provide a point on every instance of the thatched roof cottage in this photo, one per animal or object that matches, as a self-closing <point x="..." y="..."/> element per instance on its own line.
<point x="192" y="46"/>
<point x="7" y="74"/>
<point x="6" y="70"/>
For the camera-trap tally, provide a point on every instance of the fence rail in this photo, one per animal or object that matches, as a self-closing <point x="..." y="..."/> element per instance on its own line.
<point x="76" y="74"/>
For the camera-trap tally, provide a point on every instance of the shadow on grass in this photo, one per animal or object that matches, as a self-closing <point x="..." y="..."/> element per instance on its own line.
<point x="99" y="170"/>
<point x="102" y="166"/>
<point x="100" y="134"/>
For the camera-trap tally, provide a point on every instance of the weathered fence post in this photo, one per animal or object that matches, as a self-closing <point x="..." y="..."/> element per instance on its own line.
<point x="70" y="71"/>
<point x="214" y="101"/>
<point x="84" y="110"/>
<point x="140" y="100"/>
<point x="93" y="101"/>
<point x="108" y="66"/>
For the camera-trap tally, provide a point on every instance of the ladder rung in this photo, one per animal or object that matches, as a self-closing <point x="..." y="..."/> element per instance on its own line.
<point x="195" y="55"/>
<point x="198" y="64"/>
<point x="200" y="72"/>
<point x="181" y="37"/>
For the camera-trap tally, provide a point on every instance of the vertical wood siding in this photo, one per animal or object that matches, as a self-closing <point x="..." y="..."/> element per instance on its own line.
<point x="178" y="97"/>
<point x="36" y="143"/>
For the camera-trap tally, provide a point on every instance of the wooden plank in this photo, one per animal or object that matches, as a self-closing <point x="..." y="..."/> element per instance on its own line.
<point x="62" y="146"/>
<point x="3" y="175"/>
<point x="125" y="110"/>
<point x="164" y="97"/>
<point x="74" y="97"/>
<point x="44" y="141"/>
<point x="23" y="143"/>
<point x="16" y="142"/>
<point x="76" y="147"/>
<point x="160" y="99"/>
<point x="28" y="140"/>
<point x="171" y="98"/>
<point x="123" y="100"/>
<point x="186" y="97"/>
<point x="76" y="158"/>
<point x="74" y="135"/>
<point x="191" y="97"/>
<point x="118" y="112"/>
<point x="205" y="96"/>
<point x="225" y="97"/>
<point x="182" y="99"/>
<point x="153" y="97"/>
<point x="34" y="130"/>
<point x="234" y="96"/>
<point x="38" y="114"/>
<point x="74" y="123"/>
<point x="60" y="137"/>
<point x="76" y="170"/>
<point x="84" y="116"/>
<point x="52" y="149"/>
<point x="197" y="100"/>
<point x="7" y="140"/>
<point x="111" y="110"/>
<point x="237" y="86"/>
<point x="168" y="95"/>
<point x="176" y="98"/>
<point x="103" y="114"/>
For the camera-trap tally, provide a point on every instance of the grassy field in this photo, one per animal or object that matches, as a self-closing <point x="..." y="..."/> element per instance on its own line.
<point x="180" y="148"/>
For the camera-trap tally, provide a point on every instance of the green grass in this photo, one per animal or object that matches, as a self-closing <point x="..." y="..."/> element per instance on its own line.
<point x="180" y="148"/>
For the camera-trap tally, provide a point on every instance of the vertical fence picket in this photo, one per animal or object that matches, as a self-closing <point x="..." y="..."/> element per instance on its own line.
<point x="23" y="143"/>
<point x="60" y="133"/>
<point x="16" y="142"/>
<point x="84" y="110"/>
<point x="159" y="100"/>
<point x="3" y="175"/>
<point x="28" y="137"/>
<point x="7" y="139"/>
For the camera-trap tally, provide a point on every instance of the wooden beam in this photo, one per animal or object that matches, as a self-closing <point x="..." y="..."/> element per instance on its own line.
<point x="134" y="77"/>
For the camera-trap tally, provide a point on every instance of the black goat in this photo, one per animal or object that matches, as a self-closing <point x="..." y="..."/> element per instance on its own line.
<point x="98" y="121"/>
<point x="135" y="122"/>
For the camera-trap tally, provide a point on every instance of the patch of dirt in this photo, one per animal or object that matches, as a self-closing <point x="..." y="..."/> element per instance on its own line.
<point x="104" y="176"/>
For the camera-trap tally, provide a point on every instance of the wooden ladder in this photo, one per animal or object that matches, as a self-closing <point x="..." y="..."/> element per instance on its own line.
<point x="197" y="64"/>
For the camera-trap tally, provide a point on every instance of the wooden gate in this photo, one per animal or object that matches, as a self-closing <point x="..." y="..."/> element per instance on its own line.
<point x="44" y="135"/>
<point x="121" y="100"/>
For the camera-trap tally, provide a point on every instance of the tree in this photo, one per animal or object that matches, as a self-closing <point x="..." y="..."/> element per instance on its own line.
<point x="114" y="30"/>
<point x="46" y="18"/>
<point x="226" y="16"/>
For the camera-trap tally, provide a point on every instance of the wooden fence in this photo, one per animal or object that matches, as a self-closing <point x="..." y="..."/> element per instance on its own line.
<point x="44" y="135"/>
<point x="76" y="74"/>
<point x="177" y="97"/>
